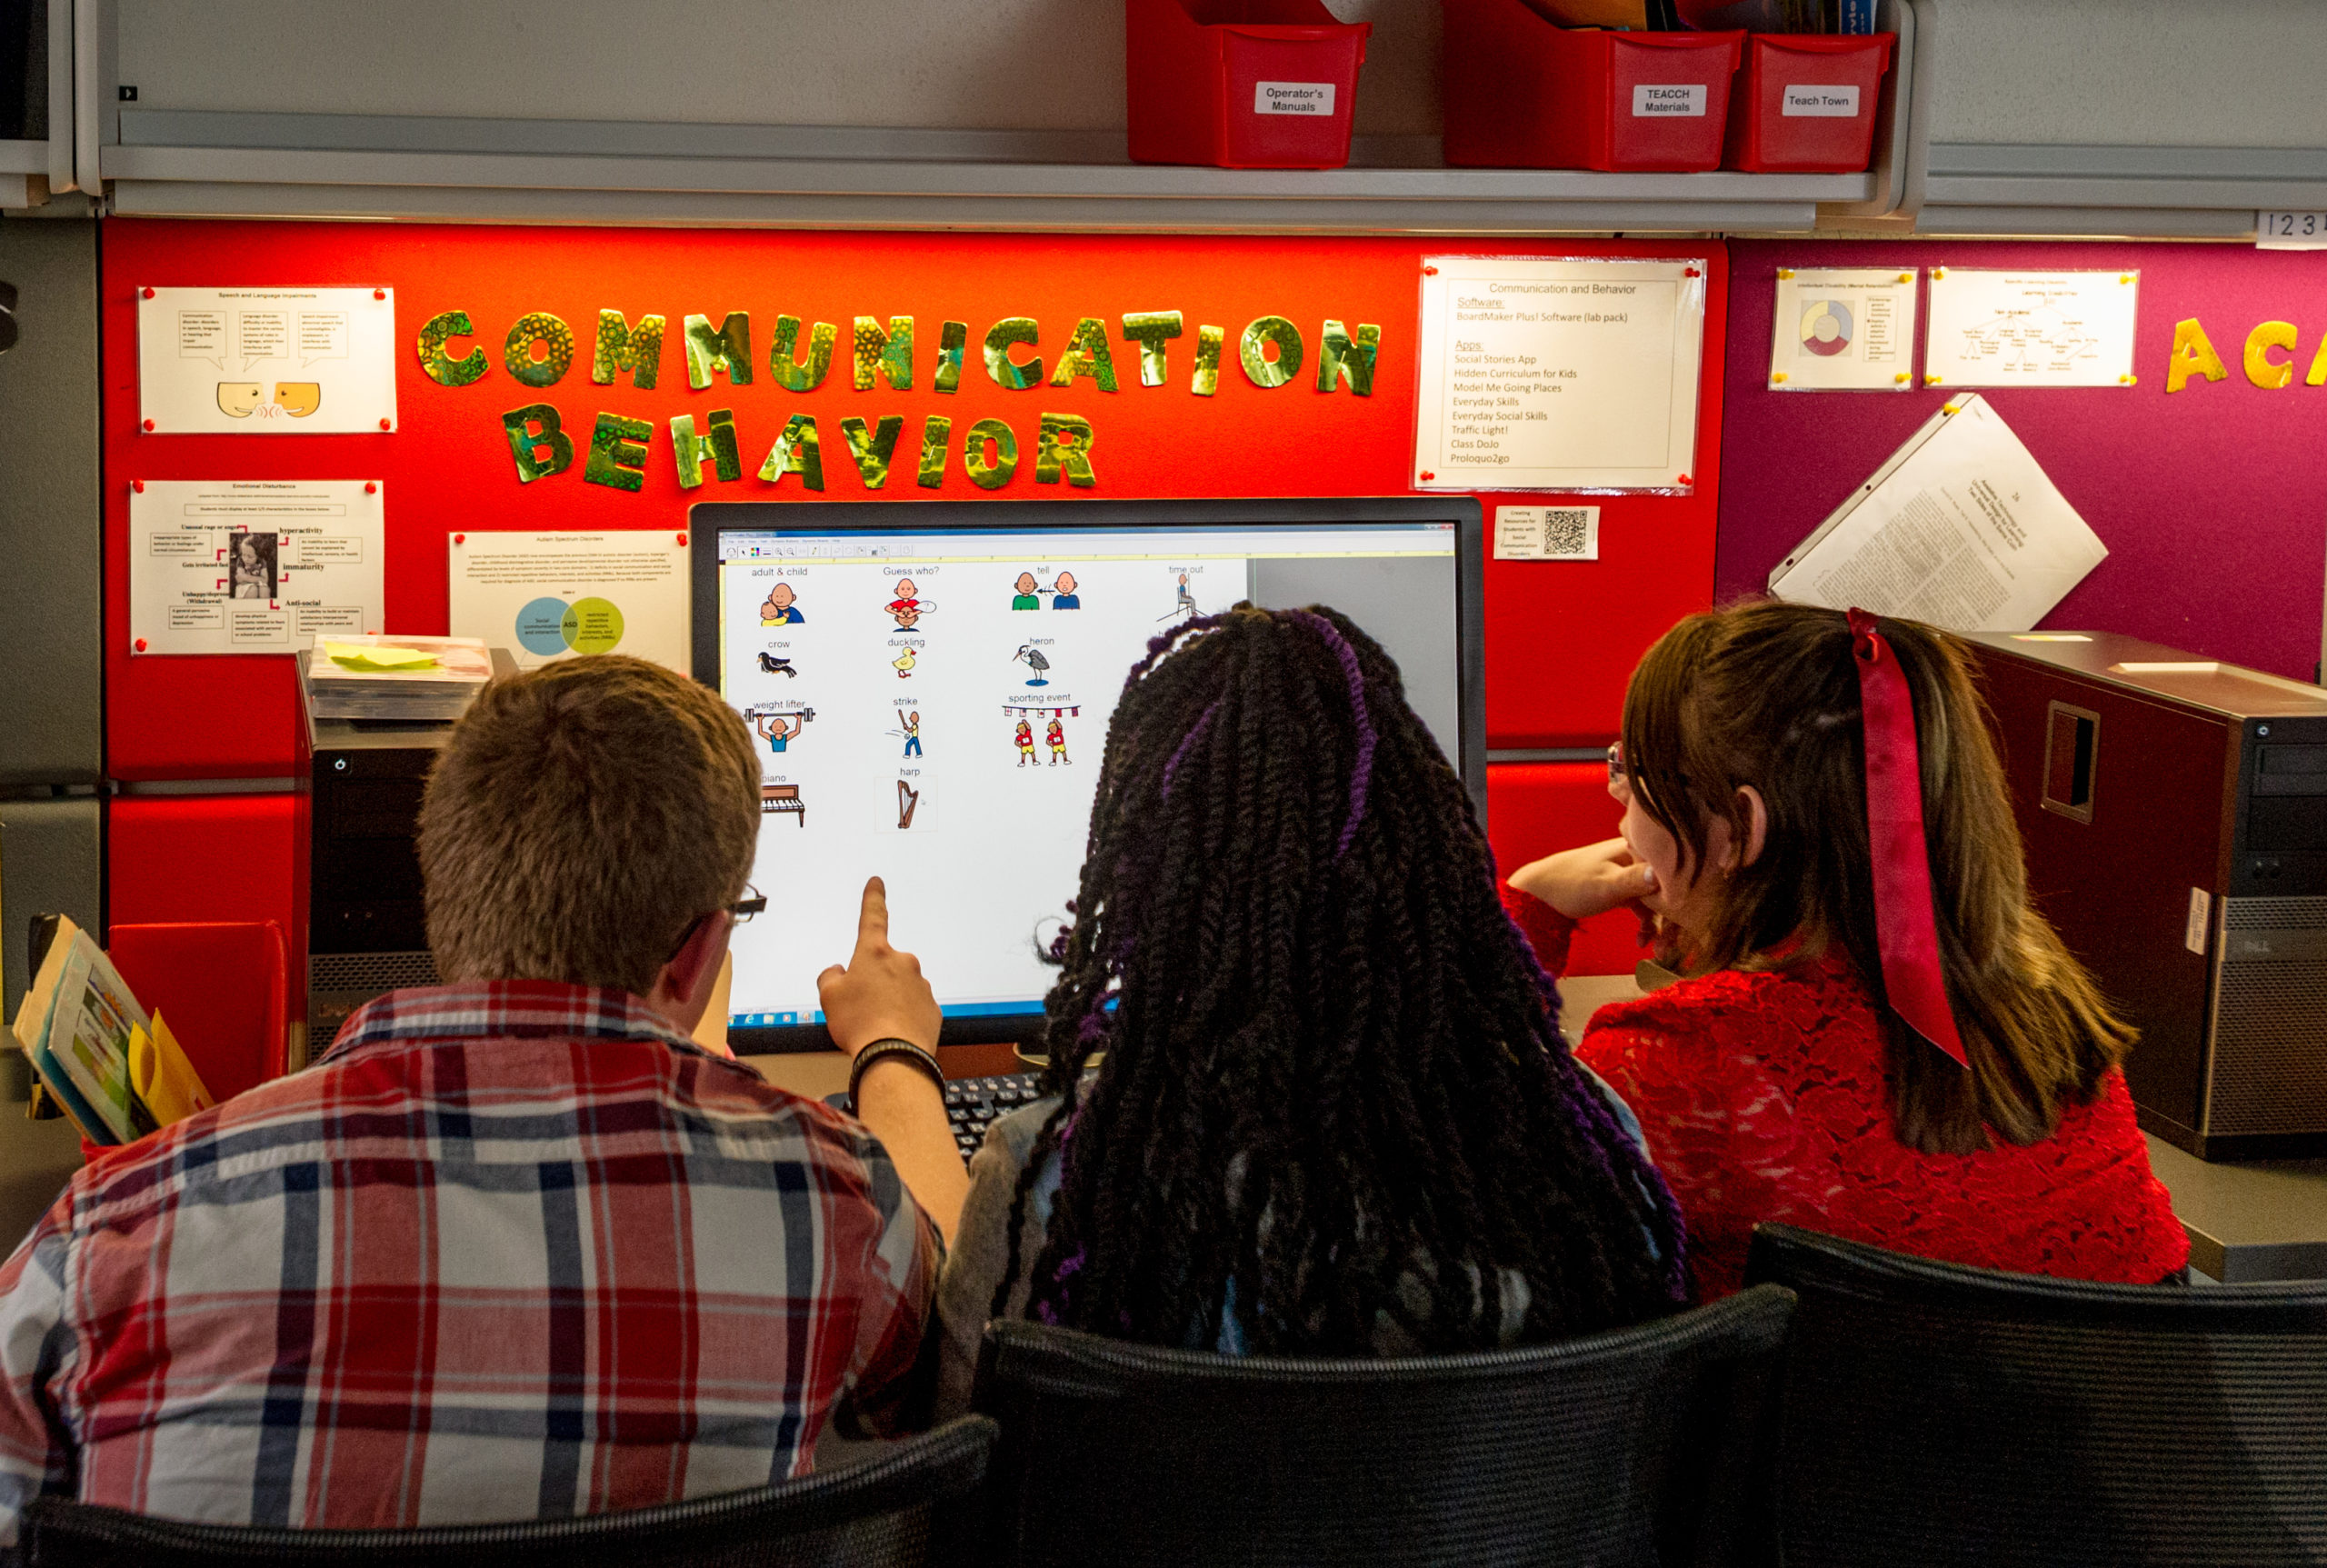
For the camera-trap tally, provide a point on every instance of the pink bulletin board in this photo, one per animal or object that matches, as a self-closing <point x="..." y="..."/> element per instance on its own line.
<point x="2212" y="500"/>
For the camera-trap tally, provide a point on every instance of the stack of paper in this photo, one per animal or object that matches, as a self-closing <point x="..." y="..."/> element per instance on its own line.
<point x="381" y="676"/>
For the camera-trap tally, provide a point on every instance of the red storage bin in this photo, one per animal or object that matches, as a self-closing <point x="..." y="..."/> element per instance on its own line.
<point x="224" y="986"/>
<point x="1806" y="103"/>
<point x="1241" y="84"/>
<point x="1523" y="94"/>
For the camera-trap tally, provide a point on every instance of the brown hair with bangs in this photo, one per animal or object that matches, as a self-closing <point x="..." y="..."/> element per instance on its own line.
<point x="1767" y="695"/>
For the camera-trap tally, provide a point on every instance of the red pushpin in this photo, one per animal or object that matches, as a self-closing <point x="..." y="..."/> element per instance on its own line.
<point x="149" y="424"/>
<point x="149" y="295"/>
<point x="140" y="644"/>
<point x="1684" y="479"/>
<point x="387" y="425"/>
<point x="459" y="538"/>
<point x="1426" y="473"/>
<point x="138" y="486"/>
<point x="1430" y="272"/>
<point x="379" y="293"/>
<point x="371" y="487"/>
<point x="683" y="538"/>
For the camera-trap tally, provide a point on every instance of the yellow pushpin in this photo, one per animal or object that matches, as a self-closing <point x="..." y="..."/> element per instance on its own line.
<point x="1901" y="378"/>
<point x="1906" y="277"/>
<point x="1785" y="272"/>
<point x="1777" y="376"/>
<point x="1930" y="380"/>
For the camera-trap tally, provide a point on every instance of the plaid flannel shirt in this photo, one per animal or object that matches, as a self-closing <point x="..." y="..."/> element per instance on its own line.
<point x="507" y="1252"/>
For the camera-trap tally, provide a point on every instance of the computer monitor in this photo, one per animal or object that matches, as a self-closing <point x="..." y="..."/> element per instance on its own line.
<point x="929" y="685"/>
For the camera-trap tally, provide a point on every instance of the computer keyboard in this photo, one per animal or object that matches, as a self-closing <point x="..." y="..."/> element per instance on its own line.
<point x="973" y="1103"/>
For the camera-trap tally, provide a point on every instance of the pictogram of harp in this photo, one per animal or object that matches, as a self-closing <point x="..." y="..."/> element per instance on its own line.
<point x="908" y="798"/>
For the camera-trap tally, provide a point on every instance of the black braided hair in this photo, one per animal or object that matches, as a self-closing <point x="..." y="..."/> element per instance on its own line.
<point x="1332" y="1075"/>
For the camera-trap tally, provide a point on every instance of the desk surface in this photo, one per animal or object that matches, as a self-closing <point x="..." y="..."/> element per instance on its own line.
<point x="2262" y="1220"/>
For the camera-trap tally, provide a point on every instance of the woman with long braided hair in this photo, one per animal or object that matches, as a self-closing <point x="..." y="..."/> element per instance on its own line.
<point x="1332" y="1112"/>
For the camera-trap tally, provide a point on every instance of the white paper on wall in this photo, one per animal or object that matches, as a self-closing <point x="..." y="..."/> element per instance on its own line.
<point x="2001" y="328"/>
<point x="1558" y="373"/>
<point x="265" y="361"/>
<point x="1843" y="329"/>
<point x="1961" y="528"/>
<point x="253" y="566"/>
<point x="543" y="596"/>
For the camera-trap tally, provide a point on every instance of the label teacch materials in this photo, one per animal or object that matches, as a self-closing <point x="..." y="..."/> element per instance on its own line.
<point x="1293" y="97"/>
<point x="1687" y="99"/>
<point x="1821" y="103"/>
<point x="2199" y="921"/>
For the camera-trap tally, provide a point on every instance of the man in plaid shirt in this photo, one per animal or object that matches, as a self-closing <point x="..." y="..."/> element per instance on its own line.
<point x="515" y="1247"/>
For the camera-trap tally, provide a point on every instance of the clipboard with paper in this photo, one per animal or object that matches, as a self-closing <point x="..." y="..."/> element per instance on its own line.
<point x="1961" y="528"/>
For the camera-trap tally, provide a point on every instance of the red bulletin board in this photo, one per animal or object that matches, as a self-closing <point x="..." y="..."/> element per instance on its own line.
<point x="1562" y="637"/>
<point x="2211" y="500"/>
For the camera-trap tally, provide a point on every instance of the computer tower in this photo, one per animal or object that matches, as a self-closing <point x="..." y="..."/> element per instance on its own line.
<point x="2174" y="810"/>
<point x="368" y="923"/>
<point x="368" y="927"/>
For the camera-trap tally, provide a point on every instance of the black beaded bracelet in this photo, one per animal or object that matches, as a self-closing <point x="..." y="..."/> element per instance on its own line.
<point x="881" y="1049"/>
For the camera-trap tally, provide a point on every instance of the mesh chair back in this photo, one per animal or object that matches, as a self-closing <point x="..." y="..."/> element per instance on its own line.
<point x="912" y="1506"/>
<point x="1604" y="1449"/>
<point x="1933" y="1413"/>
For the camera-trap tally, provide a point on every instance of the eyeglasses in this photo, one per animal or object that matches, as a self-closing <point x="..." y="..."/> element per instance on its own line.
<point x="1616" y="768"/>
<point x="739" y="913"/>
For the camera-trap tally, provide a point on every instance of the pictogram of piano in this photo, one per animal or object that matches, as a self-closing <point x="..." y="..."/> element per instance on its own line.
<point x="783" y="798"/>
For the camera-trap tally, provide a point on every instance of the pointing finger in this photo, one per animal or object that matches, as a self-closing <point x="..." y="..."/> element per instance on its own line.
<point x="873" y="921"/>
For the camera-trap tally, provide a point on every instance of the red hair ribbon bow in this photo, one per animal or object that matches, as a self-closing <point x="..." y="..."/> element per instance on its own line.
<point x="1904" y="926"/>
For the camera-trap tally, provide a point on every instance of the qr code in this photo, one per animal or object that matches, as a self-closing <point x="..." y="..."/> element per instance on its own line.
<point x="1567" y="530"/>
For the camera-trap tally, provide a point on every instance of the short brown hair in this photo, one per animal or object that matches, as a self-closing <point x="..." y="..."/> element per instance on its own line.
<point x="582" y="816"/>
<point x="1766" y="694"/>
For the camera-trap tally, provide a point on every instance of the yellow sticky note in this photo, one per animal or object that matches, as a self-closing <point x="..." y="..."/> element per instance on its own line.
<point x="363" y="657"/>
<point x="164" y="1079"/>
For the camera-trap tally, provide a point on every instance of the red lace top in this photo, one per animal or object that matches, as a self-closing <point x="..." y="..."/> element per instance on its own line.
<point x="1763" y="1097"/>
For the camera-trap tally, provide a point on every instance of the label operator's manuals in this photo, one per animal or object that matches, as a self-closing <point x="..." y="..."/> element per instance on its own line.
<point x="1961" y="528"/>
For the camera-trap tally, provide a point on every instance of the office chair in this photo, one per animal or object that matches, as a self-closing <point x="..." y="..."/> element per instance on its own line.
<point x="1623" y="1448"/>
<point x="1933" y="1413"/>
<point x="899" y="1511"/>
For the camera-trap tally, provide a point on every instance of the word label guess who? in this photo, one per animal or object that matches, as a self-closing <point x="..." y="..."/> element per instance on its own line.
<point x="539" y="349"/>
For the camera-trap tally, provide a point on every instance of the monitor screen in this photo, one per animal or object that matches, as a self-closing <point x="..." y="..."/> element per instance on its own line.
<point x="928" y="688"/>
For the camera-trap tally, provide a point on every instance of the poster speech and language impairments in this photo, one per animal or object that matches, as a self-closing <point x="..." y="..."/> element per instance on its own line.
<point x="1997" y="328"/>
<point x="265" y="361"/>
<point x="253" y="566"/>
<point x="1551" y="373"/>
<point x="543" y="596"/>
<point x="1843" y="329"/>
<point x="1961" y="528"/>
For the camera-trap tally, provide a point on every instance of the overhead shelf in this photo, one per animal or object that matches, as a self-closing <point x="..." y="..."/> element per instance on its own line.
<point x="311" y="165"/>
<point x="1969" y="187"/>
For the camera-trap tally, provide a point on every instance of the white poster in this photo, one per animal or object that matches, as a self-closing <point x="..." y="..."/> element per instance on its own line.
<point x="2030" y="328"/>
<point x="1843" y="329"/>
<point x="545" y="595"/>
<point x="265" y="361"/>
<point x="1550" y="373"/>
<point x="1961" y="528"/>
<point x="253" y="566"/>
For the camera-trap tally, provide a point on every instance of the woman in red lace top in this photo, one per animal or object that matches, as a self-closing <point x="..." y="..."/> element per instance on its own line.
<point x="1777" y="1081"/>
